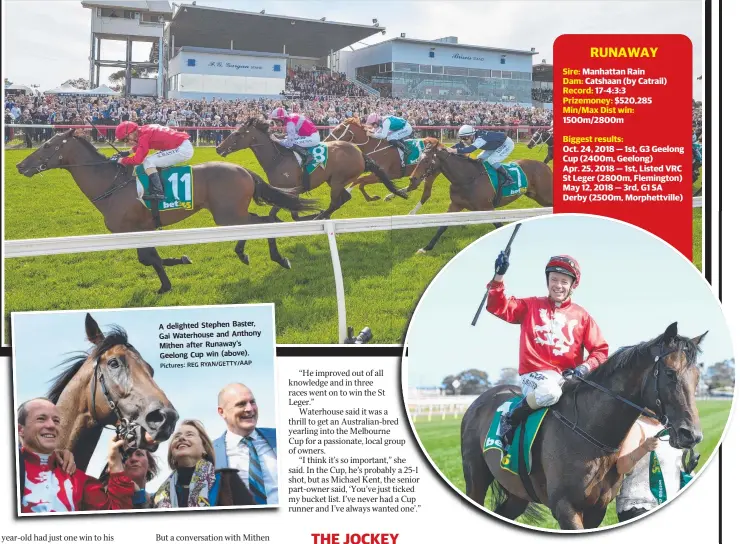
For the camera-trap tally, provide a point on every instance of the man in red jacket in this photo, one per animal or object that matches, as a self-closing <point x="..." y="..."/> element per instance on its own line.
<point x="45" y="486"/>
<point x="173" y="147"/>
<point x="554" y="334"/>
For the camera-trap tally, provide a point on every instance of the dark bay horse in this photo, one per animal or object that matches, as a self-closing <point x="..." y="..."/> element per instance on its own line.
<point x="470" y="187"/>
<point x="345" y="163"/>
<point x="351" y="130"/>
<point x="227" y="190"/>
<point x="574" y="470"/>
<point x="543" y="137"/>
<point x="110" y="385"/>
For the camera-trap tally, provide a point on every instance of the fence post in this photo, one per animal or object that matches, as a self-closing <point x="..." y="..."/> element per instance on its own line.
<point x="338" y="281"/>
<point x="197" y="137"/>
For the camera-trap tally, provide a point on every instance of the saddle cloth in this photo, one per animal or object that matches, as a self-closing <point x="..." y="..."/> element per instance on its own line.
<point x="517" y="174"/>
<point x="510" y="460"/>
<point x="318" y="155"/>
<point x="177" y="183"/>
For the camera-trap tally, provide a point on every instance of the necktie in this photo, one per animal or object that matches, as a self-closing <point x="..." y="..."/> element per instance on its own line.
<point x="256" y="483"/>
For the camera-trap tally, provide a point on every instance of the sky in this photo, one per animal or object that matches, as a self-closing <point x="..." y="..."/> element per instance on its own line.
<point x="193" y="392"/>
<point x="633" y="284"/>
<point x="58" y="46"/>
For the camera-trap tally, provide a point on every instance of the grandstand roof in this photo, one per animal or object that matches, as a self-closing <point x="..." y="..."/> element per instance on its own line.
<point x="154" y="6"/>
<point x="437" y="43"/>
<point x="202" y="26"/>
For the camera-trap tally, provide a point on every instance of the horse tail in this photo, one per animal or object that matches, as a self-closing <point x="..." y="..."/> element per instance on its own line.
<point x="374" y="168"/>
<point x="264" y="193"/>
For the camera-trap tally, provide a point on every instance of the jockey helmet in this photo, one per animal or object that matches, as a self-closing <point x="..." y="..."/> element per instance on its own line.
<point x="279" y="114"/>
<point x="125" y="128"/>
<point x="564" y="264"/>
<point x="373" y="119"/>
<point x="693" y="138"/>
<point x="465" y="131"/>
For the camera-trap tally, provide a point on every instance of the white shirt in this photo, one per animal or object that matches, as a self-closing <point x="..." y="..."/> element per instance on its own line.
<point x="635" y="491"/>
<point x="238" y="454"/>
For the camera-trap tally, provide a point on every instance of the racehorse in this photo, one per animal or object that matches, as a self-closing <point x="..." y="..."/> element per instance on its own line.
<point x="470" y="187"/>
<point x="575" y="452"/>
<point x="345" y="163"/>
<point x="543" y="137"/>
<point x="351" y="130"/>
<point x="226" y="190"/>
<point x="110" y="385"/>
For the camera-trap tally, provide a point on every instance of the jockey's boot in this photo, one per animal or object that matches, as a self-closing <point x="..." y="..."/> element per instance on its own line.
<point x="156" y="191"/>
<point x="510" y="421"/>
<point x="505" y="177"/>
<point x="402" y="146"/>
<point x="304" y="163"/>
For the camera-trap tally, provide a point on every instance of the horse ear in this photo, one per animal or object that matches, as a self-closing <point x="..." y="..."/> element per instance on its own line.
<point x="94" y="334"/>
<point x="699" y="339"/>
<point x="671" y="332"/>
<point x="69" y="133"/>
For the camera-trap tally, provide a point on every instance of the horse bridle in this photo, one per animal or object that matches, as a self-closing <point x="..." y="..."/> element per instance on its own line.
<point x="352" y="136"/>
<point x="123" y="427"/>
<point x="540" y="139"/>
<point x="43" y="166"/>
<point x="662" y="418"/>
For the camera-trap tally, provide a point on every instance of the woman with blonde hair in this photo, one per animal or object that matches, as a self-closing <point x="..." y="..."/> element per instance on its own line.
<point x="194" y="481"/>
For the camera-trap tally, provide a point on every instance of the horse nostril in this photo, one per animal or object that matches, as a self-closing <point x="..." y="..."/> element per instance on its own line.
<point x="155" y="418"/>
<point x="687" y="437"/>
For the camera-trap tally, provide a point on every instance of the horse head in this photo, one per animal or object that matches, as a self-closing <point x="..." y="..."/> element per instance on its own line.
<point x="54" y="153"/>
<point x="429" y="162"/>
<point x="113" y="384"/>
<point x="243" y="137"/>
<point x="347" y="130"/>
<point x="662" y="376"/>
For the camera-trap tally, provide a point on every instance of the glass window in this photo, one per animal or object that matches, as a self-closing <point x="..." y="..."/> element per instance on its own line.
<point x="496" y="73"/>
<point x="405" y="67"/>
<point x="454" y="71"/>
<point x="437" y="69"/>
<point x="477" y="72"/>
<point x="425" y="68"/>
<point x="506" y="75"/>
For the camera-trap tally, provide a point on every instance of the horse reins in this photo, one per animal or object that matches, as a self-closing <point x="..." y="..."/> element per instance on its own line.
<point x="662" y="418"/>
<point x="123" y="427"/>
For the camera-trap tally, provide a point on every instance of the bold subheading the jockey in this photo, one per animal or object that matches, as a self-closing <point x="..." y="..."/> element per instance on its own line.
<point x="394" y="129"/>
<point x="300" y="133"/>
<point x="172" y="147"/>
<point x="496" y="147"/>
<point x="554" y="334"/>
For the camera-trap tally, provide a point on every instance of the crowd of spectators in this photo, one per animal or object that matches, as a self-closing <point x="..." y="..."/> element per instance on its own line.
<point x="307" y="84"/>
<point x="322" y="110"/>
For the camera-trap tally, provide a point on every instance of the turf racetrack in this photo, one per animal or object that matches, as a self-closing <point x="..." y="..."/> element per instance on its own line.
<point x="441" y="440"/>
<point x="383" y="277"/>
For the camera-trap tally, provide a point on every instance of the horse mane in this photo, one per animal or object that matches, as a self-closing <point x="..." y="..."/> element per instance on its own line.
<point x="259" y="124"/>
<point x="628" y="357"/>
<point x="86" y="143"/>
<point x="430" y="142"/>
<point x="116" y="337"/>
<point x="353" y="121"/>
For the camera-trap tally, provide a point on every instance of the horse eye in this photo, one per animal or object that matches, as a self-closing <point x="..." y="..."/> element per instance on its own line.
<point x="114" y="363"/>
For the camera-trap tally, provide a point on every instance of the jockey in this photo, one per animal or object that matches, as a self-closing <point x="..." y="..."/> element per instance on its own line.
<point x="554" y="333"/>
<point x="172" y="145"/>
<point x="696" y="148"/>
<point x="301" y="133"/>
<point x="394" y="128"/>
<point x="496" y="147"/>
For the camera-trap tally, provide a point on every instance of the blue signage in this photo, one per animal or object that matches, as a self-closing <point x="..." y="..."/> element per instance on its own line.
<point x="191" y="62"/>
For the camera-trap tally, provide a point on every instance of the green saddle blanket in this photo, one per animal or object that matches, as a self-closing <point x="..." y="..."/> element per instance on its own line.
<point x="317" y="156"/>
<point x="510" y="460"/>
<point x="517" y="174"/>
<point x="178" y="187"/>
<point x="415" y="148"/>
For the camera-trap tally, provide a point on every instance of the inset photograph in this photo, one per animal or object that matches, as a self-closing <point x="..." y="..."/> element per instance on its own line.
<point x="155" y="409"/>
<point x="569" y="372"/>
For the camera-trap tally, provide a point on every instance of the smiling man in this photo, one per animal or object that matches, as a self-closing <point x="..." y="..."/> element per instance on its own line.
<point x="554" y="334"/>
<point x="244" y="446"/>
<point x="45" y="486"/>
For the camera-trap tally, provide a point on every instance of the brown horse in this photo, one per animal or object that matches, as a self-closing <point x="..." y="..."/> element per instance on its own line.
<point x="575" y="452"/>
<point x="344" y="164"/>
<point x="225" y="189"/>
<point x="470" y="187"/>
<point x="110" y="385"/>
<point x="543" y="137"/>
<point x="351" y="130"/>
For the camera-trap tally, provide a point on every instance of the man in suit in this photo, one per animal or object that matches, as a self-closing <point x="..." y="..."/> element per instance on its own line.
<point x="244" y="446"/>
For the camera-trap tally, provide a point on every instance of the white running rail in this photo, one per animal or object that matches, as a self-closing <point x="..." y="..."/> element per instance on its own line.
<point x="37" y="247"/>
